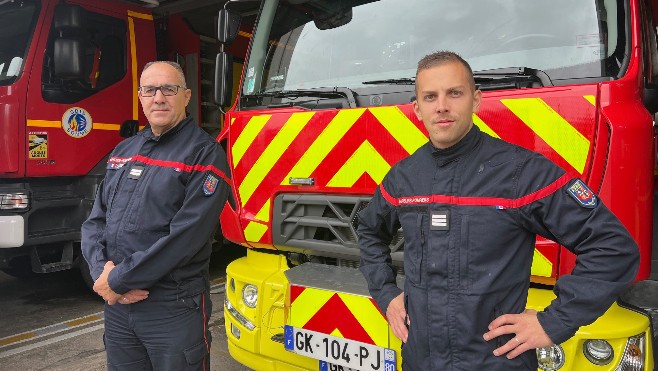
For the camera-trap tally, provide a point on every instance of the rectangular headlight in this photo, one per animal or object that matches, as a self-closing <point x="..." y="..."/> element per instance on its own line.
<point x="239" y="317"/>
<point x="14" y="201"/>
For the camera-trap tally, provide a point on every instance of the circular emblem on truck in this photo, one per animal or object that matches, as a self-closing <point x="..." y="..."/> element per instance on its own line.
<point x="76" y="122"/>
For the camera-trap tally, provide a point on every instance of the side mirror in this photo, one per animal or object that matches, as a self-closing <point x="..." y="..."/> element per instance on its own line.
<point x="69" y="50"/>
<point x="223" y="79"/>
<point x="339" y="14"/>
<point x="69" y="56"/>
<point x="228" y="26"/>
<point x="69" y="17"/>
<point x="128" y="128"/>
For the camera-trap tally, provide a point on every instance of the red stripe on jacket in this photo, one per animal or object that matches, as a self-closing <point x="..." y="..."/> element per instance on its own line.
<point x="477" y="201"/>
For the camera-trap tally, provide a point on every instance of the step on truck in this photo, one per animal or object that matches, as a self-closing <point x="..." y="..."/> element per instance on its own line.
<point x="324" y="111"/>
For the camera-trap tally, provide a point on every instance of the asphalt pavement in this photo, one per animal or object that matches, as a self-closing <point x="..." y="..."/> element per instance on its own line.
<point x="54" y="322"/>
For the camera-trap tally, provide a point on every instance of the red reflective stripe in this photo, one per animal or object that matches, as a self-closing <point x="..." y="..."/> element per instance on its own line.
<point x="295" y="291"/>
<point x="181" y="166"/>
<point x="335" y="314"/>
<point x="546" y="191"/>
<point x="391" y="200"/>
<point x="478" y="201"/>
<point x="377" y="306"/>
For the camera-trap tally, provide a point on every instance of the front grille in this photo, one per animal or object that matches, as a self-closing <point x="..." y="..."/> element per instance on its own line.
<point x="322" y="225"/>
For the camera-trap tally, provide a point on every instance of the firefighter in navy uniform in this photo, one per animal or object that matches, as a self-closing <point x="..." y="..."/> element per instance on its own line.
<point x="470" y="207"/>
<point x="148" y="238"/>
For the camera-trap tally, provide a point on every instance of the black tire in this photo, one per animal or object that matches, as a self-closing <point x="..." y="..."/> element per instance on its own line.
<point x="85" y="273"/>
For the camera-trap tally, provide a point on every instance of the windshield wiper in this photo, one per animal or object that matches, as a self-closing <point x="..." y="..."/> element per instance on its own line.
<point x="510" y="78"/>
<point x="400" y="81"/>
<point x="346" y="93"/>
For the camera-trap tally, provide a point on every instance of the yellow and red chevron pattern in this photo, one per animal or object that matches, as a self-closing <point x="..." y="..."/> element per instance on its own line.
<point x="349" y="151"/>
<point x="338" y="314"/>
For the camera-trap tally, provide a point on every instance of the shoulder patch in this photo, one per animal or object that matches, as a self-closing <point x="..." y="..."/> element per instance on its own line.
<point x="210" y="184"/>
<point x="582" y="194"/>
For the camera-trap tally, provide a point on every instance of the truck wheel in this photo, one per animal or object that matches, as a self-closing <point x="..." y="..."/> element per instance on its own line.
<point x="84" y="272"/>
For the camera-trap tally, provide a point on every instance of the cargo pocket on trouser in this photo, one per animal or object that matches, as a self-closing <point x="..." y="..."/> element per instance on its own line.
<point x="123" y="357"/>
<point x="196" y="355"/>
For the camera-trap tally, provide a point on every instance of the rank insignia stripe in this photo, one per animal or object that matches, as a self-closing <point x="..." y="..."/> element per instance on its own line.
<point x="136" y="171"/>
<point x="440" y="220"/>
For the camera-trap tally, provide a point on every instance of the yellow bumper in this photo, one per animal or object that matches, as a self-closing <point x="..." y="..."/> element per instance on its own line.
<point x="255" y="335"/>
<point x="615" y="326"/>
<point x="260" y="348"/>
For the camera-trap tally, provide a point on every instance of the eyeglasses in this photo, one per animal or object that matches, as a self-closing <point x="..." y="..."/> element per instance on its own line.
<point x="167" y="90"/>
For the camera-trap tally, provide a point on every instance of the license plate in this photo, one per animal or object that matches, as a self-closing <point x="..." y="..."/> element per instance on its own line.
<point x="339" y="351"/>
<point x="327" y="366"/>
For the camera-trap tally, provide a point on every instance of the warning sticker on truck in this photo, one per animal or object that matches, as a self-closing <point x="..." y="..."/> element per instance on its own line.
<point x="38" y="145"/>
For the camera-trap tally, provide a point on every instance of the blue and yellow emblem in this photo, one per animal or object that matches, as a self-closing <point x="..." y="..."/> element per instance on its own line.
<point x="210" y="184"/>
<point x="76" y="122"/>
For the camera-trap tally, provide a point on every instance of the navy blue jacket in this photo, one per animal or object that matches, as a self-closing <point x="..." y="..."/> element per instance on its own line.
<point x="470" y="214"/>
<point x="157" y="210"/>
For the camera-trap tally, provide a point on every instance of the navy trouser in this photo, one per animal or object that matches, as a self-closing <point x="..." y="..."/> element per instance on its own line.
<point x="158" y="334"/>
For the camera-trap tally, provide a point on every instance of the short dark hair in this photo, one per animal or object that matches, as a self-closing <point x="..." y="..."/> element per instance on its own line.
<point x="176" y="66"/>
<point x="443" y="57"/>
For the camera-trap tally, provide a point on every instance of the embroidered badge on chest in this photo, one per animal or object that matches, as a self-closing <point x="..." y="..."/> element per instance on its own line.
<point x="210" y="185"/>
<point x="440" y="220"/>
<point x="135" y="172"/>
<point x="582" y="194"/>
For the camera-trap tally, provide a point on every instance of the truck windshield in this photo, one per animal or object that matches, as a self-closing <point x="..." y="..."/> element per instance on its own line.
<point x="309" y="44"/>
<point x="17" y="19"/>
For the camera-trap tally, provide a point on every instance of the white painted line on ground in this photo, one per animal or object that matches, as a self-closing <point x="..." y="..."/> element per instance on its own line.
<point x="50" y="330"/>
<point x="217" y="286"/>
<point x="56" y="339"/>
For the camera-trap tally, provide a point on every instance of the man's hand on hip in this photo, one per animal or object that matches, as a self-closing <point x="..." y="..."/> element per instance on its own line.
<point x="397" y="316"/>
<point x="527" y="330"/>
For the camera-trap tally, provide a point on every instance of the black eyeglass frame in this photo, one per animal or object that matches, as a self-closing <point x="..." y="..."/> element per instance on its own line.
<point x="166" y="86"/>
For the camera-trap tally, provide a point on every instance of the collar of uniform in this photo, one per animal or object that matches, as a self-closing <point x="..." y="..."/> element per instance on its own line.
<point x="464" y="146"/>
<point x="147" y="133"/>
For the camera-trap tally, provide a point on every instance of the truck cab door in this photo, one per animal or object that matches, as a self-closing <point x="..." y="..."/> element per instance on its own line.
<point x="84" y="86"/>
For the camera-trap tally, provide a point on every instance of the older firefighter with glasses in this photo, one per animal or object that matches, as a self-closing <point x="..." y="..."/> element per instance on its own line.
<point x="470" y="206"/>
<point x="148" y="238"/>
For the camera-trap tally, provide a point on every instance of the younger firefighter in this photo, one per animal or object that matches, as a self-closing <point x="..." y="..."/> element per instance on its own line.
<point x="470" y="207"/>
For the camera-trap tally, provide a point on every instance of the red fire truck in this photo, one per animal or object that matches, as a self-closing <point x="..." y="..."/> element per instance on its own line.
<point x="69" y="72"/>
<point x="324" y="111"/>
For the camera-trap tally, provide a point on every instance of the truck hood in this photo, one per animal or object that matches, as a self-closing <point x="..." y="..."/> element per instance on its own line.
<point x="349" y="151"/>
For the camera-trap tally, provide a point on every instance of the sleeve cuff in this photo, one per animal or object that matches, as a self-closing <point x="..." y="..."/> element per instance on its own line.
<point x="95" y="274"/>
<point x="388" y="293"/>
<point x="554" y="328"/>
<point x="114" y="282"/>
